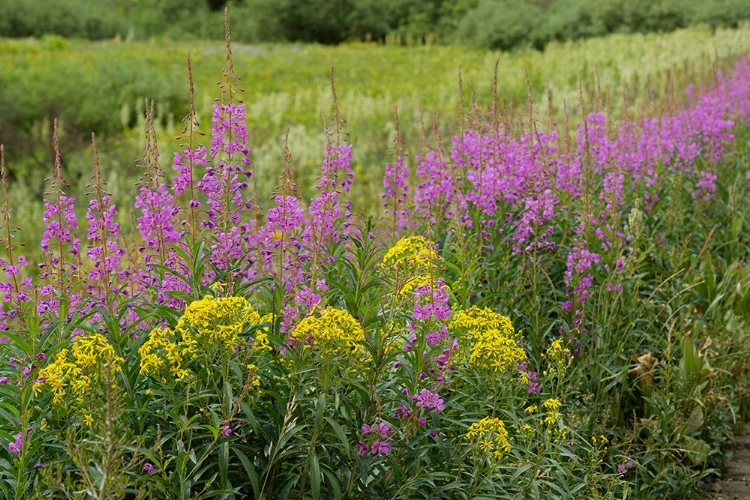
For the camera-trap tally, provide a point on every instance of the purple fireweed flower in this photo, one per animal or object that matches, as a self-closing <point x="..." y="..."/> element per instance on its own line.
<point x="226" y="431"/>
<point x="16" y="446"/>
<point x="362" y="448"/>
<point x="158" y="210"/>
<point x="41" y="356"/>
<point x="432" y="302"/>
<point x="61" y="223"/>
<point x="380" y="448"/>
<point x="183" y="178"/>
<point x="624" y="467"/>
<point x="396" y="190"/>
<point x="285" y="217"/>
<point x="149" y="468"/>
<point x="337" y="170"/>
<point x="3" y="380"/>
<point x="429" y="400"/>
<point x="435" y="193"/>
<point x="27" y="371"/>
<point x="382" y="429"/>
<point x="403" y="411"/>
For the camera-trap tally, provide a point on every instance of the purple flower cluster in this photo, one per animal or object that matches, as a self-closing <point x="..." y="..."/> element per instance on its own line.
<point x="624" y="467"/>
<point x="432" y="302"/>
<point x="379" y="436"/>
<point x="429" y="400"/>
<point x="104" y="252"/>
<point x="396" y="190"/>
<point x="16" y="446"/>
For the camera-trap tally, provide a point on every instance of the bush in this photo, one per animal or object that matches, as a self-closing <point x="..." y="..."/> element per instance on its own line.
<point x="68" y="18"/>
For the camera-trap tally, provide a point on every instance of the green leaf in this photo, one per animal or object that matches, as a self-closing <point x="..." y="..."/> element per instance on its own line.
<point x="314" y="475"/>
<point x="334" y="482"/>
<point x="696" y="450"/>
<point x="341" y="435"/>
<point x="252" y="474"/>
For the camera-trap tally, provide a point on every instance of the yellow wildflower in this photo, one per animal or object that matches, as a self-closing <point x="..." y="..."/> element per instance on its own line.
<point x="493" y="350"/>
<point x="153" y="351"/>
<point x="335" y="333"/>
<point x="552" y="404"/>
<point x="476" y="320"/>
<point x="214" y="321"/>
<point x="490" y="436"/>
<point x="413" y="253"/>
<point x="73" y="370"/>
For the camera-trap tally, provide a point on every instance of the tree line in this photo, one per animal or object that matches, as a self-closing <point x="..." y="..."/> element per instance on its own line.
<point x="496" y="24"/>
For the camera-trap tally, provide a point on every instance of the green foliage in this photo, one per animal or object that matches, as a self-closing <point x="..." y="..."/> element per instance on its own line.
<point x="496" y="24"/>
<point x="503" y="24"/>
<point x="67" y="18"/>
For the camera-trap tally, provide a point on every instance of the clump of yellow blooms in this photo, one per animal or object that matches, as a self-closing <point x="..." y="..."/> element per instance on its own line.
<point x="413" y="262"/>
<point x="495" y="351"/>
<point x="262" y="343"/>
<point x="74" y="371"/>
<point x="476" y="319"/>
<point x="551" y="406"/>
<point x="211" y="324"/>
<point x="490" y="436"/>
<point x="412" y="252"/>
<point x="159" y="352"/>
<point x="552" y="425"/>
<point x="598" y="450"/>
<point x="334" y="333"/>
<point x="491" y="336"/>
<point x="553" y="420"/>
<point x="557" y="355"/>
<point x="216" y="321"/>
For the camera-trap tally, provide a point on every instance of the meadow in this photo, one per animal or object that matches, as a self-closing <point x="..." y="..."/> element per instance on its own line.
<point x="524" y="301"/>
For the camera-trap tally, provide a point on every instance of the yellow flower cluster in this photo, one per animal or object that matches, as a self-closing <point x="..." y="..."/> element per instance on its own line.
<point x="76" y="369"/>
<point x="551" y="406"/>
<point x="490" y="436"/>
<point x="557" y="353"/>
<point x="159" y="352"/>
<point x="207" y="325"/>
<point x="414" y="253"/>
<point x="476" y="319"/>
<point x="552" y="425"/>
<point x="334" y="333"/>
<point x="558" y="357"/>
<point x="413" y="262"/>
<point x="262" y="343"/>
<point x="553" y="419"/>
<point x="494" y="351"/>
<point x="216" y="321"/>
<point x="492" y="338"/>
<point x="600" y="441"/>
